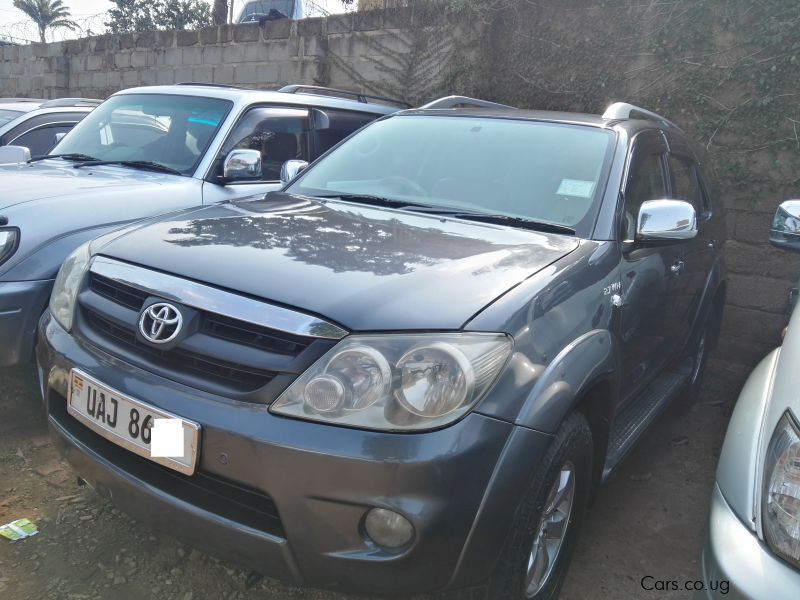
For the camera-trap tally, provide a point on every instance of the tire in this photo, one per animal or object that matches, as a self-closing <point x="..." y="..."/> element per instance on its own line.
<point x="572" y="446"/>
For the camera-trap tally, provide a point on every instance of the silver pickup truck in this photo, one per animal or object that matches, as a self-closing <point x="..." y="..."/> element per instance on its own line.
<point x="147" y="151"/>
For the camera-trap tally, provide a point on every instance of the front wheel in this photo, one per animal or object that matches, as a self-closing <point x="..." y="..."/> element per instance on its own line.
<point x="536" y="556"/>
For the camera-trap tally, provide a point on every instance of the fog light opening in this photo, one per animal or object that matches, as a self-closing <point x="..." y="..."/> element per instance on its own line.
<point x="388" y="529"/>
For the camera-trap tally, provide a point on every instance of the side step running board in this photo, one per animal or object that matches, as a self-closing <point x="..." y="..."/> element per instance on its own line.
<point x="634" y="420"/>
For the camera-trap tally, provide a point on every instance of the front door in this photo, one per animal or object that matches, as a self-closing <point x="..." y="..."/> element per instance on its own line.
<point x="278" y="133"/>
<point x="654" y="301"/>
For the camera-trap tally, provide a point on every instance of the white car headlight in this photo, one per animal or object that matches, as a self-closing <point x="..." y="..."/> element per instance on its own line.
<point x="68" y="284"/>
<point x="781" y="502"/>
<point x="9" y="241"/>
<point x="397" y="382"/>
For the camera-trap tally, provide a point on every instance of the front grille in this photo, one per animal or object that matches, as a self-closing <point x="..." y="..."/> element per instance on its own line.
<point x="217" y="326"/>
<point x="208" y="492"/>
<point x="219" y="371"/>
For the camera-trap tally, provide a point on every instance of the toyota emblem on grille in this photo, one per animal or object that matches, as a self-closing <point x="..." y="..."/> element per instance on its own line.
<point x="160" y="323"/>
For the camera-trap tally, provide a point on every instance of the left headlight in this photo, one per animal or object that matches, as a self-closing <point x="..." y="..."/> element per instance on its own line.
<point x="397" y="382"/>
<point x="68" y="284"/>
<point x="9" y="240"/>
<point x="781" y="500"/>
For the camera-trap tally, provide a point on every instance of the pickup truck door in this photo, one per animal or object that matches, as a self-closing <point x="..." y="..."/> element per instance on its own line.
<point x="279" y="133"/>
<point x="653" y="285"/>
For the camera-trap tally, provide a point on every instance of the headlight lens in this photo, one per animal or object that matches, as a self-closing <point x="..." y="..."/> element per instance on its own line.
<point x="67" y="285"/>
<point x="9" y="240"/>
<point x="397" y="382"/>
<point x="781" y="503"/>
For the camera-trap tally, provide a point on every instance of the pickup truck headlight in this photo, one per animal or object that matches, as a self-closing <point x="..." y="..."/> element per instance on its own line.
<point x="781" y="503"/>
<point x="67" y="285"/>
<point x="9" y="240"/>
<point x="397" y="382"/>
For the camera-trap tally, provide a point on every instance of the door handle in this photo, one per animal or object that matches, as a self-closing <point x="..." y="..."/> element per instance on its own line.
<point x="677" y="268"/>
<point x="712" y="244"/>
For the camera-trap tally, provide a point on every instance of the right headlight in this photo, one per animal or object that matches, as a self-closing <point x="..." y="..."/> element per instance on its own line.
<point x="397" y="382"/>
<point x="9" y="240"/>
<point x="781" y="500"/>
<point x="67" y="286"/>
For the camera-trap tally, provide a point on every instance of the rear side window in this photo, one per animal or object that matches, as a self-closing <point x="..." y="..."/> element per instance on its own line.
<point x="332" y="126"/>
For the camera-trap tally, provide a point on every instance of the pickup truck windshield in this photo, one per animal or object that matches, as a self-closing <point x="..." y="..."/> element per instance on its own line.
<point x="545" y="172"/>
<point x="173" y="131"/>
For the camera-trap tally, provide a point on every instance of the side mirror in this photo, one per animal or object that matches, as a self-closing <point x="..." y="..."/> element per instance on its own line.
<point x="785" y="230"/>
<point x="242" y="165"/>
<point x="14" y="154"/>
<point x="291" y="169"/>
<point x="666" y="221"/>
<point x="59" y="136"/>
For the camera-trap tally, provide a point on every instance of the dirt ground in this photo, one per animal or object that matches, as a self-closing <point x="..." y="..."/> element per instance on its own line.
<point x="648" y="521"/>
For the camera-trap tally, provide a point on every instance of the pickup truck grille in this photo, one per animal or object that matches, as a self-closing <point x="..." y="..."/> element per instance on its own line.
<point x="220" y="353"/>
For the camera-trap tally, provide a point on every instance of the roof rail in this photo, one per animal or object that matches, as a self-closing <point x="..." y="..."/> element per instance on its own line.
<point x="65" y="102"/>
<point x="624" y="110"/>
<point x="328" y="91"/>
<point x="207" y="84"/>
<point x="463" y="102"/>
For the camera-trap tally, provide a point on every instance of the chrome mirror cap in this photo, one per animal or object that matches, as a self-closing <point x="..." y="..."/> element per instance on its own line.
<point x="291" y="169"/>
<point x="242" y="164"/>
<point x="666" y="220"/>
<point x="785" y="230"/>
<point x="14" y="154"/>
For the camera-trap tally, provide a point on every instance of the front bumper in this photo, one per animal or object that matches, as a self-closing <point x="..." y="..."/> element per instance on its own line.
<point x="287" y="498"/>
<point x="21" y="305"/>
<point x="733" y="554"/>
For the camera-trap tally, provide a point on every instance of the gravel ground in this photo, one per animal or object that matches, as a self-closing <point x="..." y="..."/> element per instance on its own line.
<point x="648" y="521"/>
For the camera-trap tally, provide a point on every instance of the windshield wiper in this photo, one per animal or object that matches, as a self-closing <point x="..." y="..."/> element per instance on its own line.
<point x="145" y="165"/>
<point x="374" y="200"/>
<point x="499" y="219"/>
<point x="70" y="156"/>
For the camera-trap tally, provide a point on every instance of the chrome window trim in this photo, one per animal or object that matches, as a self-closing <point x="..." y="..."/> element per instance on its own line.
<point x="215" y="300"/>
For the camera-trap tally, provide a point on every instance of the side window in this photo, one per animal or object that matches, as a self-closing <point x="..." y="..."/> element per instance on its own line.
<point x="645" y="182"/>
<point x="280" y="134"/>
<point x="331" y="126"/>
<point x="41" y="140"/>
<point x="685" y="185"/>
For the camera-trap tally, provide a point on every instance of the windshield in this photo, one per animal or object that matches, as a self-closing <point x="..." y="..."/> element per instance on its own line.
<point x="262" y="8"/>
<point x="171" y="130"/>
<point x="7" y="115"/>
<point x="544" y="172"/>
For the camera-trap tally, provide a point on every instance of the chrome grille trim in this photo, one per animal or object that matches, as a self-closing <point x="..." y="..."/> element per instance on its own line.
<point x="214" y="300"/>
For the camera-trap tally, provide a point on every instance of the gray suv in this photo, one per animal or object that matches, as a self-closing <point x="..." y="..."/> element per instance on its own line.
<point x="409" y="370"/>
<point x="148" y="151"/>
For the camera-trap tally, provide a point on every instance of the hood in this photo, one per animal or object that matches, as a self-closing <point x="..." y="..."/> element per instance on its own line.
<point x="51" y="179"/>
<point x="366" y="268"/>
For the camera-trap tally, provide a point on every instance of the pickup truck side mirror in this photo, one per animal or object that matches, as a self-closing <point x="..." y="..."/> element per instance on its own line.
<point x="785" y="230"/>
<point x="291" y="169"/>
<point x="666" y="221"/>
<point x="242" y="165"/>
<point x="14" y="154"/>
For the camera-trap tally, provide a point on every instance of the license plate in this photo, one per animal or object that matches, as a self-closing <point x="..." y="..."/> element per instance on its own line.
<point x="127" y="422"/>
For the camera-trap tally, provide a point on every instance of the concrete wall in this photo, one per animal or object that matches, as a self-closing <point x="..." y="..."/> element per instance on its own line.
<point x="371" y="51"/>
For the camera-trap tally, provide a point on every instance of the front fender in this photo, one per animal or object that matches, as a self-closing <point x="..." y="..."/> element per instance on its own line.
<point x="590" y="358"/>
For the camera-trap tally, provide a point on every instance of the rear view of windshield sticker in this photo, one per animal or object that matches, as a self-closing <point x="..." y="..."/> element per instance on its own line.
<point x="576" y="187"/>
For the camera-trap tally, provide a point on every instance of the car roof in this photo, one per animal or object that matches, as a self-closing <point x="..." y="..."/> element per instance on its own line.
<point x="20" y="104"/>
<point x="250" y="96"/>
<point x="631" y="125"/>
